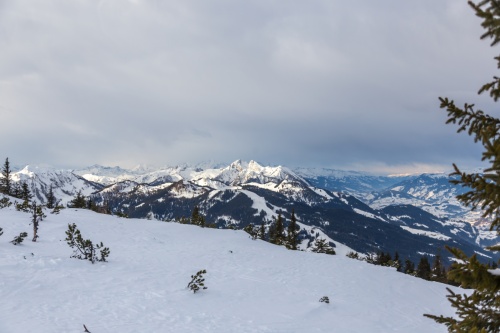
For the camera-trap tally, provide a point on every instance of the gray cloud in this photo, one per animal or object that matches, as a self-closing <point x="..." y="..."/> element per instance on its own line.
<point x="317" y="83"/>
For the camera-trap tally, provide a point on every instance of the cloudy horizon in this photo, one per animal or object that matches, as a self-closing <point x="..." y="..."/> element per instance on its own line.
<point x="314" y="84"/>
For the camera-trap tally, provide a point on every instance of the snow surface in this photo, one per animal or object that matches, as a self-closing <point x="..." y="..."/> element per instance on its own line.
<point x="253" y="286"/>
<point x="367" y="214"/>
<point x="431" y="234"/>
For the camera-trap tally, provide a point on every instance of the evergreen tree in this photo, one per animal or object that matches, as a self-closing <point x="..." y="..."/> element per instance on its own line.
<point x="383" y="259"/>
<point x="51" y="199"/>
<point x="291" y="241"/>
<point x="5" y="202"/>
<point x="19" y="239"/>
<point x="197" y="218"/>
<point x="252" y="231"/>
<point x="262" y="231"/>
<point x="409" y="267"/>
<point x="424" y="268"/>
<point x="322" y="246"/>
<point x="84" y="249"/>
<point x="438" y="272"/>
<point x="35" y="218"/>
<point x="478" y="311"/>
<point x="397" y="262"/>
<point x="6" y="180"/>
<point x="276" y="233"/>
<point x="78" y="201"/>
<point x="16" y="190"/>
<point x="91" y="205"/>
<point x="26" y="195"/>
<point x="353" y="255"/>
<point x="197" y="282"/>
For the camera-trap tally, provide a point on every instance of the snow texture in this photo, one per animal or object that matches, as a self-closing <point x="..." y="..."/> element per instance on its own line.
<point x="253" y="286"/>
<point x="431" y="234"/>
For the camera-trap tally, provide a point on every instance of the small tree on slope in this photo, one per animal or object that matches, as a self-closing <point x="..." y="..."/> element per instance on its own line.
<point x="291" y="239"/>
<point x="197" y="281"/>
<point x="78" y="201"/>
<point x="51" y="199"/>
<point x="479" y="311"/>
<point x="6" y="179"/>
<point x="84" y="249"/>
<point x="322" y="246"/>
<point x="19" y="239"/>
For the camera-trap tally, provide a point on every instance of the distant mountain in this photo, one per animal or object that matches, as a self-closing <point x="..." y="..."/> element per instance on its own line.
<point x="432" y="192"/>
<point x="246" y="192"/>
<point x="64" y="182"/>
<point x="353" y="182"/>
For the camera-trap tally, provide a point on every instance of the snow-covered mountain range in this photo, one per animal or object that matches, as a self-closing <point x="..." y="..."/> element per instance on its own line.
<point x="413" y="215"/>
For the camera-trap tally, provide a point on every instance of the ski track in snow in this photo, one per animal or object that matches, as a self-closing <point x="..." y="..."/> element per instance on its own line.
<point x="253" y="286"/>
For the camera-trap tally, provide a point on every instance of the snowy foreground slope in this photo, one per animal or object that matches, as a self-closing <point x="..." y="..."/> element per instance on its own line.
<point x="253" y="286"/>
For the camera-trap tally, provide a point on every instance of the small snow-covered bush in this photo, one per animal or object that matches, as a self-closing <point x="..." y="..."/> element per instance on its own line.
<point x="5" y="202"/>
<point x="252" y="231"/>
<point x="19" y="239"/>
<point x="84" y="249"/>
<point x="353" y="255"/>
<point x="197" y="281"/>
<point x="57" y="209"/>
<point x="322" y="246"/>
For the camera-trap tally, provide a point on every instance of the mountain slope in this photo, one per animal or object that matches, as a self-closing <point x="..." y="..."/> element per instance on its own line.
<point x="246" y="192"/>
<point x="65" y="183"/>
<point x="353" y="182"/>
<point x="253" y="286"/>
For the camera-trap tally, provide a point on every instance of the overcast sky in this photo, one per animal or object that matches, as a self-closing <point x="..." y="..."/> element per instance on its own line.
<point x="343" y="84"/>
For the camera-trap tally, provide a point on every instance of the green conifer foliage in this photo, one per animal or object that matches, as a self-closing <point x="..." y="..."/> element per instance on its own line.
<point x="19" y="239"/>
<point x="16" y="190"/>
<point x="5" y="202"/>
<point x="51" y="199"/>
<point x="25" y="192"/>
<point x="324" y="299"/>
<point x="35" y="219"/>
<point x="262" y="231"/>
<point x="291" y="241"/>
<point x="26" y="196"/>
<point x="276" y="231"/>
<point x="409" y="267"/>
<point x="397" y="263"/>
<point x="438" y="272"/>
<point x="253" y="231"/>
<point x="322" y="246"/>
<point x="197" y="218"/>
<point x="197" y="282"/>
<point x="78" y="201"/>
<point x="6" y="179"/>
<point x="84" y="249"/>
<point x="424" y="268"/>
<point x="478" y="311"/>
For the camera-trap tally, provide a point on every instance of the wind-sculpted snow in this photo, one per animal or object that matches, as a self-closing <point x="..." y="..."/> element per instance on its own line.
<point x="253" y="286"/>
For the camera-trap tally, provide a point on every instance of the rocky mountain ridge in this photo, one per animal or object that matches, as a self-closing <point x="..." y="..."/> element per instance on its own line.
<point x="247" y="192"/>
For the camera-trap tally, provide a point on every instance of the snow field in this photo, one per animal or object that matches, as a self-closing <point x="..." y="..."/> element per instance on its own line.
<point x="253" y="286"/>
